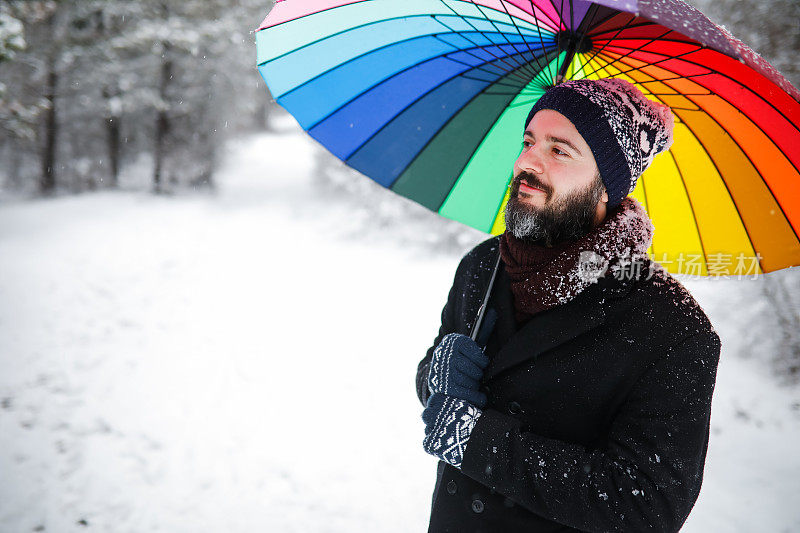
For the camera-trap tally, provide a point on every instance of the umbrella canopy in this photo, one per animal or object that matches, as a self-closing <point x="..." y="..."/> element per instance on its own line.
<point x="429" y="98"/>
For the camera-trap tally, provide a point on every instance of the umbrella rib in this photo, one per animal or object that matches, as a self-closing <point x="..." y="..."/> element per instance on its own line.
<point x="528" y="70"/>
<point x="497" y="10"/>
<point x="635" y="49"/>
<point x="604" y="63"/>
<point x="713" y="162"/>
<point x="522" y="80"/>
<point x="738" y="212"/>
<point x="691" y="204"/>
<point x="733" y="140"/>
<point x="603" y="68"/>
<point x="725" y="184"/>
<point x="486" y="70"/>
<point x="504" y="84"/>
<point x="510" y="70"/>
<point x="626" y="25"/>
<point x="560" y="12"/>
<point x="512" y="89"/>
<point x="443" y="126"/>
<point x="585" y="25"/>
<point x="481" y="68"/>
<point x="342" y="32"/>
<point x="630" y="26"/>
<point x="548" y="17"/>
<point x="539" y="29"/>
<point x="571" y="15"/>
<point x="677" y="77"/>
<point x="411" y="104"/>
<point x="308" y="15"/>
<point x="352" y="59"/>
<point x="682" y="94"/>
<point x="660" y="39"/>
<point x="654" y="63"/>
<point x="558" y="41"/>
<point x="687" y="77"/>
<point x="513" y="68"/>
<point x="513" y="21"/>
<point x="613" y="13"/>
<point x="560" y="24"/>
<point x="359" y="26"/>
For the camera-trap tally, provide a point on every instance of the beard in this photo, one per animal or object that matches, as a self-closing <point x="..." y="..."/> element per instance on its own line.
<point x="566" y="219"/>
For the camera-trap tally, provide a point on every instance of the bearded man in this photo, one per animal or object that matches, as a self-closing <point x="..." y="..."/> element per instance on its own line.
<point x="584" y="402"/>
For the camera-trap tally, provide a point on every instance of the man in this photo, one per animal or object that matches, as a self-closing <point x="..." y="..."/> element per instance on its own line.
<point x="588" y="409"/>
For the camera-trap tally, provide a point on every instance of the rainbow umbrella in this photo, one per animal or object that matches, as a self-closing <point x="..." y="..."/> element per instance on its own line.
<point x="428" y="98"/>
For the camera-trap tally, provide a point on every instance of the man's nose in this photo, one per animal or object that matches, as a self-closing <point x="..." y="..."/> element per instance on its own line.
<point x="531" y="161"/>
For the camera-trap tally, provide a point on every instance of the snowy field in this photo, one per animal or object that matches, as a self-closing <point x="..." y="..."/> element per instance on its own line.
<point x="244" y="361"/>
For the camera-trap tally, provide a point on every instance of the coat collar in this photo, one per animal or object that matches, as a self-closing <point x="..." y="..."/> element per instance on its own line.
<point x="546" y="330"/>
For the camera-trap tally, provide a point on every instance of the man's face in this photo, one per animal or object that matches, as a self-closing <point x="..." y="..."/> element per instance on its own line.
<point x="556" y="194"/>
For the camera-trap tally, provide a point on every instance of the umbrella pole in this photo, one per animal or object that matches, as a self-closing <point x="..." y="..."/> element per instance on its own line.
<point x="574" y="42"/>
<point x="562" y="72"/>
<point x="482" y="310"/>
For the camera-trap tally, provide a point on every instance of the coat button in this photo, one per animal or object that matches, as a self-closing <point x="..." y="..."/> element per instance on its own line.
<point x="452" y="487"/>
<point x="514" y="408"/>
<point x="477" y="506"/>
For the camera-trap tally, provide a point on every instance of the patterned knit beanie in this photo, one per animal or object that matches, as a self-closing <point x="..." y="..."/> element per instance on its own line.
<point x="623" y="128"/>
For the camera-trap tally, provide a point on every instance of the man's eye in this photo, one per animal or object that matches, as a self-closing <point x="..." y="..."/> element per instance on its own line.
<point x="559" y="152"/>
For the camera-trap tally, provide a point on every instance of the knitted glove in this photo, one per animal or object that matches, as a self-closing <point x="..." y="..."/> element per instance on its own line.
<point x="458" y="363"/>
<point x="448" y="425"/>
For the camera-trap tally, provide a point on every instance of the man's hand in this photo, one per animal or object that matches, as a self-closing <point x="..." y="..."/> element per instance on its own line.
<point x="448" y="424"/>
<point x="458" y="363"/>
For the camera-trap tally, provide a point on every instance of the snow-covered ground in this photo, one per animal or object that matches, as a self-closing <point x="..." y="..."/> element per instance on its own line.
<point x="244" y="361"/>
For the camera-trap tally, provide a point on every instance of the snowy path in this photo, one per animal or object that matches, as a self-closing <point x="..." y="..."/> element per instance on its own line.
<point x="236" y="363"/>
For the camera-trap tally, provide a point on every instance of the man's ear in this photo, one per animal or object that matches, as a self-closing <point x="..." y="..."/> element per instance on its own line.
<point x="604" y="197"/>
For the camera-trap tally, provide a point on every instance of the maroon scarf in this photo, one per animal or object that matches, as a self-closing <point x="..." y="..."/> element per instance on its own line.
<point x="543" y="277"/>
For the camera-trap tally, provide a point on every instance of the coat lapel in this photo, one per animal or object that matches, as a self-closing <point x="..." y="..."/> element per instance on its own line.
<point x="547" y="329"/>
<point x="503" y="302"/>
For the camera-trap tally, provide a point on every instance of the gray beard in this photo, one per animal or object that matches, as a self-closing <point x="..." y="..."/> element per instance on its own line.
<point x="567" y="219"/>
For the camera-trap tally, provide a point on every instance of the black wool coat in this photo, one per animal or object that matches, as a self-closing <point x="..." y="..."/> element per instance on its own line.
<point x="598" y="409"/>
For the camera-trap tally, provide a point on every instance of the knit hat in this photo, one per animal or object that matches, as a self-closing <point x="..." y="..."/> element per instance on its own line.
<point x="623" y="128"/>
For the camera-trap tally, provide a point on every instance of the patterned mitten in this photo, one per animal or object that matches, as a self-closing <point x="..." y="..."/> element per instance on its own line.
<point x="458" y="363"/>
<point x="448" y="424"/>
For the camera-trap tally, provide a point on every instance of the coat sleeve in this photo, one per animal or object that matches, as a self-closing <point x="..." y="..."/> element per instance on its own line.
<point x="646" y="477"/>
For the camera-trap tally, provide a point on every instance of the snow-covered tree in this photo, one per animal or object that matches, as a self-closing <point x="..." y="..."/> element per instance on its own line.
<point x="12" y="37"/>
<point x="98" y="83"/>
<point x="22" y="100"/>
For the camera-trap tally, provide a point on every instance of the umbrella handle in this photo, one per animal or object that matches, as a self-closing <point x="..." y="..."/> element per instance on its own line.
<point x="482" y="310"/>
